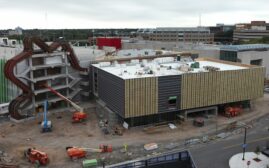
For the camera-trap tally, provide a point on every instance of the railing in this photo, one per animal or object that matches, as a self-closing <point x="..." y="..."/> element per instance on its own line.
<point x="180" y="159"/>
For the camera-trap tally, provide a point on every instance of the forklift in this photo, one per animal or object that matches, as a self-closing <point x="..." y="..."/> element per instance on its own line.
<point x="46" y="126"/>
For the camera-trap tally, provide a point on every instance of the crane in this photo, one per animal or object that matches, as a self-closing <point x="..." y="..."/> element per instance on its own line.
<point x="79" y="115"/>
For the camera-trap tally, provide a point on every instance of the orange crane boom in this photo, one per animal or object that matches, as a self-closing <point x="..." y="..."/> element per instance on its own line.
<point x="79" y="115"/>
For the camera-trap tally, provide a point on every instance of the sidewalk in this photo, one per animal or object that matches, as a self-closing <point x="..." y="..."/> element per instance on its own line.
<point x="249" y="162"/>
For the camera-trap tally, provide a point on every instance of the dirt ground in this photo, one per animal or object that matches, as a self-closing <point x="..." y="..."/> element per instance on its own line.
<point x="16" y="137"/>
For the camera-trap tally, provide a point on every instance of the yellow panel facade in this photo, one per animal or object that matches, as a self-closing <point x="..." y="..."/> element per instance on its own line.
<point x="141" y="97"/>
<point x="219" y="87"/>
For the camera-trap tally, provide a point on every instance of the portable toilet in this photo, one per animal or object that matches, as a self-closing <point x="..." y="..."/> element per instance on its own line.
<point x="89" y="163"/>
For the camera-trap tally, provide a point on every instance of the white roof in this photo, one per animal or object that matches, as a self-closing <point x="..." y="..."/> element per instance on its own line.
<point x="132" y="71"/>
<point x="184" y="29"/>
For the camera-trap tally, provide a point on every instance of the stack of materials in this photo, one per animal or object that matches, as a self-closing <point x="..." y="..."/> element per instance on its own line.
<point x="185" y="68"/>
<point x="211" y="68"/>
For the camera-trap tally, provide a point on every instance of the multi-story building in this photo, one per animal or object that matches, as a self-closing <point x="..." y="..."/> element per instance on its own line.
<point x="225" y="28"/>
<point x="222" y="33"/>
<point x="32" y="72"/>
<point x="254" y="30"/>
<point x="4" y="33"/>
<point x="178" y="34"/>
<point x="145" y="33"/>
<point x="16" y="31"/>
<point x="163" y="89"/>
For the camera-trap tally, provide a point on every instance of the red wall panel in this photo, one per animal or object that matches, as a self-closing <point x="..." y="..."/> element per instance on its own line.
<point x="110" y="42"/>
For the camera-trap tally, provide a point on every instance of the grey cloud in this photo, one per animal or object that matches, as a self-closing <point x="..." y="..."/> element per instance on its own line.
<point x="134" y="10"/>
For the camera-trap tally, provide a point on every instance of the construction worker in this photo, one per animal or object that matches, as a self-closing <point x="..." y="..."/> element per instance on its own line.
<point x="125" y="147"/>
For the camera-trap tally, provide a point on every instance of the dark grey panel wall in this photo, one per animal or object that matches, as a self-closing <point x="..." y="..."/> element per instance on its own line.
<point x="168" y="86"/>
<point x="111" y="91"/>
<point x="91" y="80"/>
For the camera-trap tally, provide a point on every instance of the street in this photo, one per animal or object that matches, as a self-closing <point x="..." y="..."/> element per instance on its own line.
<point x="217" y="154"/>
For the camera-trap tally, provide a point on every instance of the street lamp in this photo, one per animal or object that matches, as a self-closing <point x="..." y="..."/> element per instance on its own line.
<point x="245" y="143"/>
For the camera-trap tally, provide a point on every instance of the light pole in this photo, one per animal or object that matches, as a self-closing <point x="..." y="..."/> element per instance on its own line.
<point x="245" y="143"/>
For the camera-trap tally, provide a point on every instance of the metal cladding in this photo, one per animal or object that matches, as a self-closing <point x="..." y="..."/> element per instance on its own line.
<point x="16" y="105"/>
<point x="111" y="90"/>
<point x="219" y="87"/>
<point x="141" y="97"/>
<point x="168" y="86"/>
<point x="3" y="83"/>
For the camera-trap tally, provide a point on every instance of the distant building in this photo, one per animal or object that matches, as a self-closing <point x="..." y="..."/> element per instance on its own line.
<point x="253" y="54"/>
<point x="248" y="31"/>
<point x="3" y="33"/>
<point x="108" y="42"/>
<point x="19" y="30"/>
<point x="178" y="34"/>
<point x="225" y="28"/>
<point x="145" y="33"/>
<point x="222" y="33"/>
<point x="16" y="31"/>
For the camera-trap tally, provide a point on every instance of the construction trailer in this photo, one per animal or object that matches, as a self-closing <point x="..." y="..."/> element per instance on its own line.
<point x="144" y="92"/>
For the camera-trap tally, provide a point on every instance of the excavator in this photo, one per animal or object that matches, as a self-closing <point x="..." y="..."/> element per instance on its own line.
<point x="79" y="115"/>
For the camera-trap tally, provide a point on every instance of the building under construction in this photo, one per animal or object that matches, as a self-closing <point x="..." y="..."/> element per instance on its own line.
<point x="139" y="90"/>
<point x="40" y="65"/>
<point x="142" y="92"/>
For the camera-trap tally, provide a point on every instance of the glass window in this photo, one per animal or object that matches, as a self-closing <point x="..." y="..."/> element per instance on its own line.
<point x="184" y="156"/>
<point x="172" y="102"/>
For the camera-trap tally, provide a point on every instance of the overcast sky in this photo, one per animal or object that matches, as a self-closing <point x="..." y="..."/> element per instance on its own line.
<point x="128" y="13"/>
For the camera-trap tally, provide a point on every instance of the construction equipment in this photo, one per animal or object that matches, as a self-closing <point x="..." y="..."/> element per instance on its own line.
<point x="233" y="111"/>
<point x="199" y="122"/>
<point x="46" y="126"/>
<point x="22" y="101"/>
<point x="36" y="157"/>
<point x="105" y="148"/>
<point x="79" y="115"/>
<point x="78" y="152"/>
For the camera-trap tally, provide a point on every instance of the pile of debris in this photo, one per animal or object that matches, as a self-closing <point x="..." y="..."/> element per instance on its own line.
<point x="106" y="129"/>
<point x="6" y="160"/>
<point x="211" y="68"/>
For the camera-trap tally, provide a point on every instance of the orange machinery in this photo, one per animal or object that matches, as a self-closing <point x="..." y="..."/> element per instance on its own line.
<point x="233" y="111"/>
<point x="79" y="115"/>
<point x="37" y="157"/>
<point x="77" y="152"/>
